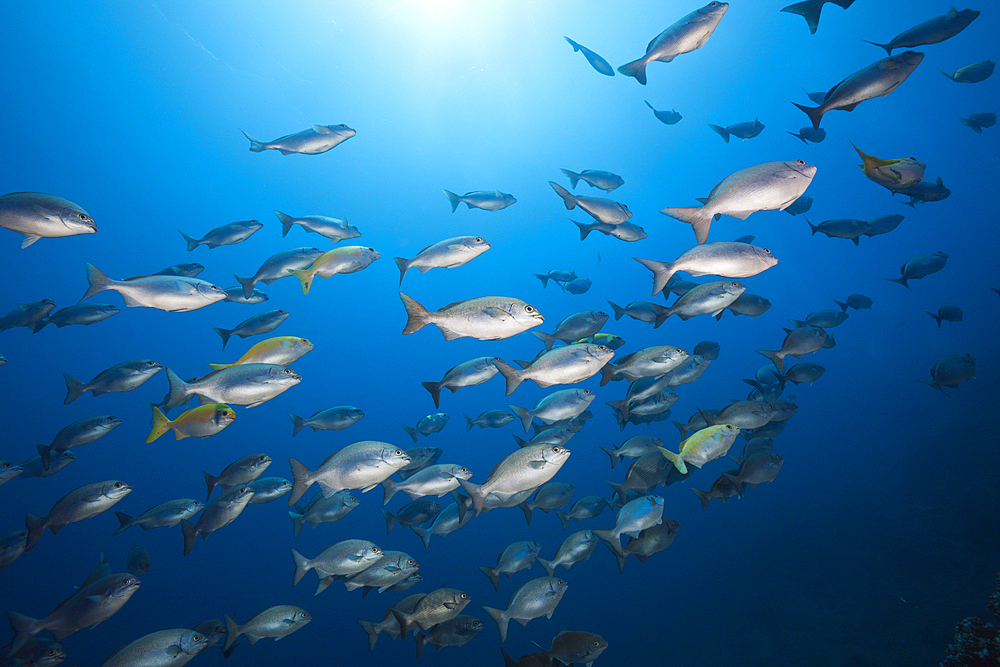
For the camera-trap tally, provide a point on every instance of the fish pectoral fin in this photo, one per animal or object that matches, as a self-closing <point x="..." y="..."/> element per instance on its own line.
<point x="173" y="650"/>
<point x="493" y="311"/>
<point x="449" y="605"/>
<point x="537" y="465"/>
<point x="392" y="568"/>
<point x="739" y="215"/>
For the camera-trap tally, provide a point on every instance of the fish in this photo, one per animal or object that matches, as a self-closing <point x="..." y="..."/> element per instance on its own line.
<point x="391" y="568"/>
<point x="313" y="141"/>
<point x="578" y="286"/>
<point x="585" y="508"/>
<point x="362" y="465"/>
<point x="164" y="515"/>
<point x="925" y="191"/>
<point x="231" y="234"/>
<point x="277" y="621"/>
<point x="877" y="80"/>
<point x="445" y="254"/>
<point x="666" y="117"/>
<point x="856" y="301"/>
<point x="644" y="311"/>
<point x="562" y="404"/>
<point x="689" y="33"/>
<point x="346" y="259"/>
<point x="800" y="205"/>
<point x="625" y="231"/>
<point x="707" y="299"/>
<point x="721" y="258"/>
<point x="595" y="178"/>
<point x="949" y="371"/>
<point x="893" y="175"/>
<point x="457" y="631"/>
<point x="466" y="374"/>
<point x="609" y="340"/>
<point x="389" y="624"/>
<point x="243" y="384"/>
<point x="810" y="10"/>
<point x="634" y="517"/>
<point x="268" y="489"/>
<point x="12" y="546"/>
<point x="522" y="470"/>
<point x="435" y="480"/>
<point x="798" y="343"/>
<point x="597" y="62"/>
<point x="184" y="270"/>
<point x="842" y="228"/>
<point x="949" y="313"/>
<point x="755" y="469"/>
<point x="173" y="294"/>
<point x="77" y="505"/>
<point x="438" y="606"/>
<point x="420" y="458"/>
<point x="722" y="489"/>
<point x="332" y="228"/>
<point x="550" y="436"/>
<point x="802" y="372"/>
<point x="650" y="541"/>
<point x="705" y="445"/>
<point x="973" y="73"/>
<point x="807" y="134"/>
<point x="883" y="224"/>
<point x="83" y="314"/>
<point x="567" y="364"/>
<point x="547" y="497"/>
<point x="427" y="425"/>
<point x="516" y="557"/>
<point x="123" y="376"/>
<point x="33" y="467"/>
<point x="28" y="315"/>
<point x="483" y="318"/>
<point x="603" y="210"/>
<point x="138" y="561"/>
<point x="556" y="275"/>
<point x="279" y="351"/>
<point x="277" y="266"/>
<point x="920" y="266"/>
<point x="826" y="319"/>
<point x="240" y="472"/>
<point x="978" y="121"/>
<point x="203" y="421"/>
<point x="261" y="323"/>
<point x="743" y="131"/>
<point x="488" y="419"/>
<point x="933" y="31"/>
<point x="173" y="648"/>
<point x="538" y="597"/>
<point x="633" y="448"/>
<point x="484" y="199"/>
<point x="336" y="418"/>
<point x="81" y="432"/>
<point x="322" y="510"/>
<point x="447" y="521"/>
<point x="763" y="187"/>
<point x="38" y="215"/>
<point x="648" y="362"/>
<point x="576" y="646"/>
<point x="751" y="305"/>
<point x="575" y="548"/>
<point x="745" y="415"/>
<point x="342" y="559"/>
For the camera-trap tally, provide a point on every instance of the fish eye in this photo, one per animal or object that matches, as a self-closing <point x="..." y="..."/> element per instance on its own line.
<point x="464" y="596"/>
<point x="529" y="309"/>
<point x="126" y="582"/>
<point x="557" y="449"/>
<point x="287" y="371"/>
<point x="8" y="464"/>
<point x="602" y="347"/>
<point x="399" y="452"/>
<point x="118" y="485"/>
<point x="480" y="239"/>
<point x="802" y="162"/>
<point x="371" y="249"/>
<point x="596" y="644"/>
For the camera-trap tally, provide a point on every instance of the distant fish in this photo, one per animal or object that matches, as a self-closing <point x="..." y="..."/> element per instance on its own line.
<point x="973" y="73"/>
<point x="184" y="270"/>
<point x="883" y="224"/>
<point x="810" y="10"/>
<point x="947" y="313"/>
<point x="231" y="234"/>
<point x="427" y="425"/>
<point x="31" y="315"/>
<point x="331" y="228"/>
<point x="484" y="199"/>
<point x="556" y="275"/>
<point x="277" y="622"/>
<point x="38" y="215"/>
<point x="489" y="419"/>
<point x="602" y="210"/>
<point x="82" y="314"/>
<point x="724" y="259"/>
<point x="317" y="139"/>
<point x="466" y="374"/>
<point x="235" y="294"/>
<point x="743" y="131"/>
<point x="578" y="286"/>
<point x="173" y="647"/>
<point x="920" y="266"/>
<point x="979" y="121"/>
<point x="345" y="259"/>
<point x="77" y="505"/>
<point x="336" y="418"/>
<point x="484" y="318"/>
<point x="597" y="62"/>
<point x="842" y="228"/>
<point x="933" y="31"/>
<point x="277" y="266"/>
<point x="280" y="350"/>
<point x="595" y="178"/>
<point x="925" y="191"/>
<point x="800" y="205"/>
<point x="666" y="117"/>
<point x="807" y="134"/>
<point x="446" y="254"/>
<point x="124" y="376"/>
<point x="952" y="370"/>
<point x="261" y="323"/>
<point x="201" y="422"/>
<point x="536" y="598"/>
<point x="856" y="301"/>
<point x="892" y="174"/>
<point x="688" y="34"/>
<point x="798" y="343"/>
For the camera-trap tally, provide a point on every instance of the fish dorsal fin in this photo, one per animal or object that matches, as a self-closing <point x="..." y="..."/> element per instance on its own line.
<point x="449" y="306"/>
<point x="320" y="129"/>
<point x="711" y="195"/>
<point x="952" y="14"/>
<point x="940" y="182"/>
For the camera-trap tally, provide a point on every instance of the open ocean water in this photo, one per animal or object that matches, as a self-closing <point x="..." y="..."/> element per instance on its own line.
<point x="880" y="532"/>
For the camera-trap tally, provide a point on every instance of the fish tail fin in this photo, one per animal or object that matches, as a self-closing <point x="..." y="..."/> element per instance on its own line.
<point x="682" y="428"/>
<point x="255" y="146"/>
<point x="404" y="622"/>
<point x="492" y="575"/>
<point x="475" y="492"/>
<point x="936" y="317"/>
<point x="526" y="508"/>
<point x="98" y="282"/>
<point x="324" y="583"/>
<point x="417" y="317"/>
<point x="74" y="388"/>
<point x="619" y="489"/>
<point x="305" y="277"/>
<point x="35" y="528"/>
<point x="297" y="521"/>
<point x="421" y="641"/>
<point x="298" y="423"/>
<point x="301" y="566"/>
<point x="224" y="334"/>
<point x="543" y="278"/>
<point x="178" y="389"/>
<point x="721" y="131"/>
<point x="511" y="374"/>
<point x="453" y="198"/>
<point x="703" y="497"/>
<point x="968" y="122"/>
<point x="435" y="389"/>
<point x="776" y="358"/>
<point x="424" y="535"/>
<point x="809" y="10"/>
<point x="192" y="243"/>
<point x="613" y="454"/>
<point x="300" y="480"/>
<point x="124" y="521"/>
<point x="637" y="69"/>
<point x="663" y="313"/>
<point x="567" y="198"/>
<point x="189" y="531"/>
<point x="612" y="541"/>
<point x="675" y="459"/>
<point x="621" y="409"/>
<point x="403" y="265"/>
<point x="547" y="339"/>
<point x="696" y="216"/>
<point x="607" y="373"/>
<point x="211" y="483"/>
<point x="161" y="424"/>
<point x="232" y="632"/>
<point x="287" y="222"/>
<point x="468" y="422"/>
<point x="814" y="228"/>
<point x="736" y="481"/>
<point x="814" y="113"/>
<point x="389" y="490"/>
<point x="372" y="631"/>
<point x="563" y="519"/>
<point x="524" y="414"/>
<point x="662" y="271"/>
<point x="584" y="229"/>
<point x="520" y="442"/>
<point x="573" y="177"/>
<point x="929" y="384"/>
<point x="390" y="520"/>
<point x="45" y="451"/>
<point x="412" y="432"/>
<point x="843" y="306"/>
<point x="549" y="567"/>
<point x="947" y="75"/>
<point x="247" y="283"/>
<point x="619" y="311"/>
<point x="803" y="139"/>
<point x="501" y="620"/>
<point x="24" y="629"/>
<point x="901" y="281"/>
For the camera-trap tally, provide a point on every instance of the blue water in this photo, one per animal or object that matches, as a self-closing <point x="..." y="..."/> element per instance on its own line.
<point x="879" y="534"/>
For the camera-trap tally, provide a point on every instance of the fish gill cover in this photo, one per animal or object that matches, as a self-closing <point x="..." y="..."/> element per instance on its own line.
<point x="876" y="537"/>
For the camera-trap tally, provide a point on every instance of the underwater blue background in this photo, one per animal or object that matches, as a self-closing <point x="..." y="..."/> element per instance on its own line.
<point x="879" y="534"/>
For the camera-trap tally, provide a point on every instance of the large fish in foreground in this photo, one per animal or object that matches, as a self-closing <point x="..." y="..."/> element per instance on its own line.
<point x="566" y="364"/>
<point x="82" y="503"/>
<point x="484" y="318"/>
<point x="763" y="187"/>
<point x="242" y="384"/>
<point x="689" y="34"/>
<point x="317" y="139"/>
<point x="527" y="468"/>
<point x="362" y="465"/>
<point x="877" y="80"/>
<point x="173" y="294"/>
<point x="728" y="259"/>
<point x="166" y="648"/>
<point x="38" y="215"/>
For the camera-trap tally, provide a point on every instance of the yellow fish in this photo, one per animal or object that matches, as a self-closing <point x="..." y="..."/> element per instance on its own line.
<point x="348" y="259"/>
<point x="894" y="175"/>
<point x="280" y="350"/>
<point x="200" y="422"/>
<point x="706" y="445"/>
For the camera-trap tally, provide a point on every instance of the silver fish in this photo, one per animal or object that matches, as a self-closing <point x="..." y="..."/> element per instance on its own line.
<point x="331" y="228"/>
<point x="666" y="117"/>
<point x="933" y="31"/>
<point x="445" y="254"/>
<point x="707" y="299"/>
<point x="184" y="270"/>
<point x="392" y="568"/>
<point x="488" y="419"/>
<point x="516" y="557"/>
<point x="548" y="497"/>
<point x="798" y="343"/>
<point x="634" y="517"/>
<point x="742" y="131"/>
<point x="166" y="648"/>
<point x="278" y="621"/>
<point x="268" y="489"/>
<point x="82" y="503"/>
<point x="322" y="510"/>
<point x="538" y="597"/>
<point x="336" y="418"/>
<point x="81" y="432"/>
<point x="595" y="178"/>
<point x="483" y="318"/>
<point x="920" y="266"/>
<point x="438" y="606"/>
<point x="174" y="294"/>
<point x="231" y="234"/>
<point x="12" y="546"/>
<point x="724" y="258"/>
<point x="30" y="315"/>
<point x="219" y="513"/>
<point x="525" y="469"/>
<point x="484" y="199"/>
<point x="575" y="548"/>
<point x="562" y="404"/>
<point x="842" y="228"/>
<point x="242" y="384"/>
<point x="583" y="324"/>
<point x="33" y="466"/>
<point x="751" y="305"/>
<point x="277" y="266"/>
<point x="427" y="425"/>
<point x="83" y="314"/>
<point x="346" y="259"/>
<point x="450" y="519"/>
<point x="625" y="231"/>
<point x="362" y="465"/>
<point x="163" y="515"/>
<point x="688" y="34"/>
<point x="317" y="139"/>
<point x="567" y="364"/>
<point x="261" y="323"/>
<point x="603" y="210"/>
<point x="389" y="625"/>
<point x="466" y="374"/>
<point x="763" y="187"/>
<point x="647" y="362"/>
<point x="644" y="311"/>
<point x="598" y="63"/>
<point x="586" y="508"/>
<point x="435" y="480"/>
<point x="38" y="215"/>
<point x="800" y="205"/>
<point x="124" y="376"/>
